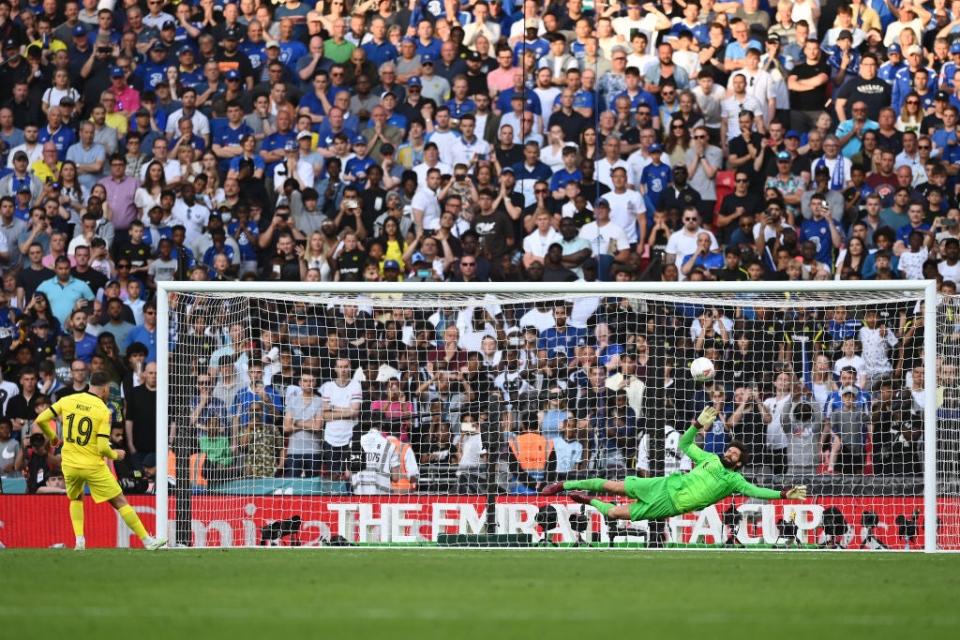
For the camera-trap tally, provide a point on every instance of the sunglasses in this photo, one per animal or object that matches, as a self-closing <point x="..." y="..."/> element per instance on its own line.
<point x="699" y="137"/>
<point x="741" y="181"/>
<point x="689" y="219"/>
<point x="924" y="147"/>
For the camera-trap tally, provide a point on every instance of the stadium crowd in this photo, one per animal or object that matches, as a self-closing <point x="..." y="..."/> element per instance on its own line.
<point x="473" y="141"/>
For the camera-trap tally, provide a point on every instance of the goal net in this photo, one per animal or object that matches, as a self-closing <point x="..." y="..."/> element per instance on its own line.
<point x="402" y="415"/>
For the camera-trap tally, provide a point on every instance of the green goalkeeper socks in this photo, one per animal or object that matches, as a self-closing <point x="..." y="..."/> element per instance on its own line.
<point x="601" y="506"/>
<point x="593" y="484"/>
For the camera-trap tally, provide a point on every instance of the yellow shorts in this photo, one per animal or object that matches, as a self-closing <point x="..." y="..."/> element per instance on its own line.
<point x="103" y="486"/>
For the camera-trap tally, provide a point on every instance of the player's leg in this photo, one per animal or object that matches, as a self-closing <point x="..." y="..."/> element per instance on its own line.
<point x="593" y="485"/>
<point x="119" y="502"/>
<point x="609" y="510"/>
<point x="76" y="519"/>
<point x="104" y="488"/>
<point x="73" y="483"/>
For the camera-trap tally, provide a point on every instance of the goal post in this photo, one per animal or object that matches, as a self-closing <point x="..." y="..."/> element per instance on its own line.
<point x="231" y="517"/>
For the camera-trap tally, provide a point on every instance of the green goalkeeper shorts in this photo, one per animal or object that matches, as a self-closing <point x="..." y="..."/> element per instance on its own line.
<point x="652" y="500"/>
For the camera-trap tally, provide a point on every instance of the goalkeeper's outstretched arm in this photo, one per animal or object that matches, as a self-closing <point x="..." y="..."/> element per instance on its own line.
<point x="798" y="492"/>
<point x="687" y="445"/>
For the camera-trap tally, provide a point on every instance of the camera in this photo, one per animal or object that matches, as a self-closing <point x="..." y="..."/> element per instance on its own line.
<point x="37" y="440"/>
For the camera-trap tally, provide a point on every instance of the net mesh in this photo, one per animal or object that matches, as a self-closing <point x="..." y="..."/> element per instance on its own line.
<point x="403" y="419"/>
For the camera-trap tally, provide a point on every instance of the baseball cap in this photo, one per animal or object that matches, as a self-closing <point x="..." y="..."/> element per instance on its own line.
<point x="506" y="170"/>
<point x="845" y="34"/>
<point x="783" y="156"/>
<point x="116" y="72"/>
<point x="290" y="145"/>
<point x="270" y="44"/>
<point x="848" y="389"/>
<point x="67" y="101"/>
<point x="169" y="24"/>
<point x="474" y="56"/>
<point x="602" y="202"/>
<point x="231" y="34"/>
<point x="894" y="48"/>
<point x="914" y="49"/>
<point x="418" y="257"/>
<point x="773" y="37"/>
<point x="386" y="149"/>
<point x="358" y="139"/>
<point x="391" y="264"/>
<point x="24" y="188"/>
<point x="158" y="46"/>
<point x="955" y="47"/>
<point x="304" y="134"/>
<point x="232" y="74"/>
<point x="185" y="49"/>
<point x="387" y="93"/>
<point x="426" y="59"/>
<point x="942" y="95"/>
<point x="414" y="81"/>
<point x="10" y="43"/>
<point x="79" y="30"/>
<point x="41" y="322"/>
<point x="791" y="134"/>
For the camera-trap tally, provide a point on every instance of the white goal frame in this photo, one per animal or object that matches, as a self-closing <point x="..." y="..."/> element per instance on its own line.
<point x="925" y="289"/>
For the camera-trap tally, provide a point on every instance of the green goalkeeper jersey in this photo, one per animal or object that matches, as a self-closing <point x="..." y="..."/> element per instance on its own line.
<point x="709" y="482"/>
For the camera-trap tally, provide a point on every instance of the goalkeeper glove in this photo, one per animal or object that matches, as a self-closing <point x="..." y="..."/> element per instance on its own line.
<point x="707" y="417"/>
<point x="798" y="492"/>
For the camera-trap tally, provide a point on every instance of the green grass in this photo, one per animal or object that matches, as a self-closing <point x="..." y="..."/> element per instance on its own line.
<point x="388" y="594"/>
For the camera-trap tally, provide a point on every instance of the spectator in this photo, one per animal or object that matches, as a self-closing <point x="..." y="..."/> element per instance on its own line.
<point x="141" y="421"/>
<point x="64" y="289"/>
<point x="773" y="411"/>
<point x="340" y="409"/>
<point x="9" y="450"/>
<point x="844" y="435"/>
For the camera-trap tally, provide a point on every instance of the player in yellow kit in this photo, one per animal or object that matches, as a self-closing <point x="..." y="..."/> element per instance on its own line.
<point x="85" y="421"/>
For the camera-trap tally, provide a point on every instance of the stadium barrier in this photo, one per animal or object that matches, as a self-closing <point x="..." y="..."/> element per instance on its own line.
<point x="890" y="522"/>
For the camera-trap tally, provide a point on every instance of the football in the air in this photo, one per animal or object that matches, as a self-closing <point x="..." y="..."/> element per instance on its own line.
<point x="702" y="370"/>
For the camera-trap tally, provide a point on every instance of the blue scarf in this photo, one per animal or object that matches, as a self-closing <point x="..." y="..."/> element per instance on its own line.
<point x="836" y="176"/>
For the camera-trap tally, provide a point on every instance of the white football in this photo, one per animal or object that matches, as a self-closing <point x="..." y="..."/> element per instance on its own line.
<point x="702" y="370"/>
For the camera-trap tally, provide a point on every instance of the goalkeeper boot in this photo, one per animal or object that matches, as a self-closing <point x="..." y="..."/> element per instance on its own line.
<point x="152" y="544"/>
<point x="580" y="497"/>
<point x="551" y="489"/>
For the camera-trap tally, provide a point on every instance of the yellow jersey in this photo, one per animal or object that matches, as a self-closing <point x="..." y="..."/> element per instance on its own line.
<point x="85" y="423"/>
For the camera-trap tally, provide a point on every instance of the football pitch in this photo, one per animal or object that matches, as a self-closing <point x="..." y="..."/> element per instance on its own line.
<point x="371" y="593"/>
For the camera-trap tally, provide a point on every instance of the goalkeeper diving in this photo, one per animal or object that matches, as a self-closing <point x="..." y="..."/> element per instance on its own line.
<point x="713" y="478"/>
